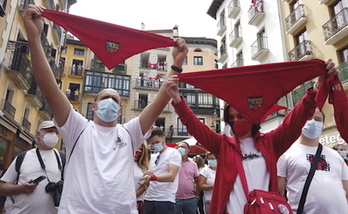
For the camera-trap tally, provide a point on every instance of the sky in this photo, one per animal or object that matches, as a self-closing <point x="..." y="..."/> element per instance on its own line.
<point x="190" y="15"/>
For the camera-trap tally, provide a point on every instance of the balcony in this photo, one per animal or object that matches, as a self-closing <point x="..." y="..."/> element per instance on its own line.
<point x="259" y="48"/>
<point x="221" y="27"/>
<point x="256" y="13"/>
<point x="236" y="37"/>
<point x="295" y="20"/>
<point x="45" y="112"/>
<point x="150" y="83"/>
<point x="233" y="8"/>
<point x="301" y="52"/>
<point x="96" y="81"/>
<point x="9" y="109"/>
<point x="26" y="124"/>
<point x="57" y="32"/>
<point x="20" y="71"/>
<point x="326" y="2"/>
<point x="34" y="96"/>
<point x="343" y="68"/>
<point x="139" y="105"/>
<point x="223" y="54"/>
<point x="298" y="93"/>
<point x="238" y="63"/>
<point x="336" y="29"/>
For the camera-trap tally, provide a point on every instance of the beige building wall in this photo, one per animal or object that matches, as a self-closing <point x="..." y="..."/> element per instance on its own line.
<point x="316" y="15"/>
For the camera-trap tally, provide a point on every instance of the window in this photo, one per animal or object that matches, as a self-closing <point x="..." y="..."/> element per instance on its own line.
<point x="205" y="100"/>
<point x="78" y="51"/>
<point x="97" y="81"/>
<point x="198" y="60"/>
<point x="89" y="115"/>
<point x="239" y="59"/>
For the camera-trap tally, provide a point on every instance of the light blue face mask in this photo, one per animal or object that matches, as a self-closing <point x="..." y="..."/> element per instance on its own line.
<point x="182" y="151"/>
<point x="157" y="147"/>
<point x="107" y="110"/>
<point x="212" y="163"/>
<point x="312" y="129"/>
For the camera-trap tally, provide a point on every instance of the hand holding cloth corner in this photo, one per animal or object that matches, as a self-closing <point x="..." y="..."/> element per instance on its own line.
<point x="253" y="90"/>
<point x="111" y="43"/>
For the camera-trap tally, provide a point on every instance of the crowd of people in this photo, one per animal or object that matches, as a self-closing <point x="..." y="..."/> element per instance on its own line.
<point x="110" y="168"/>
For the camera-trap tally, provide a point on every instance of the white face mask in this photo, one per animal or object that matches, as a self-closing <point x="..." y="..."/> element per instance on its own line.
<point x="50" y="139"/>
<point x="312" y="129"/>
<point x="182" y="151"/>
<point x="343" y="154"/>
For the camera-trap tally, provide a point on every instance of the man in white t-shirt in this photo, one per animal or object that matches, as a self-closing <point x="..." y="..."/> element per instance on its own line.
<point x="162" y="175"/>
<point x="99" y="172"/>
<point x="29" y="197"/>
<point x="327" y="190"/>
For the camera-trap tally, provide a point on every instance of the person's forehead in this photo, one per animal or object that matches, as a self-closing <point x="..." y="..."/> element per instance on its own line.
<point x="108" y="93"/>
<point x="317" y="113"/>
<point x="155" y="139"/>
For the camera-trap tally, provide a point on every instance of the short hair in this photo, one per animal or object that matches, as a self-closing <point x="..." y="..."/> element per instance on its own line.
<point x="157" y="131"/>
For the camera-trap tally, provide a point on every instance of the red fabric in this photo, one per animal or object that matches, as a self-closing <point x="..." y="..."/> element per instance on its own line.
<point x="271" y="145"/>
<point x="111" y="43"/>
<point x="253" y="90"/>
<point x="338" y="97"/>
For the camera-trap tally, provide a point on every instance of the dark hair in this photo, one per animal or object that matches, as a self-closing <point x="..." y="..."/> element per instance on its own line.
<point x="255" y="127"/>
<point x="157" y="131"/>
<point x="188" y="146"/>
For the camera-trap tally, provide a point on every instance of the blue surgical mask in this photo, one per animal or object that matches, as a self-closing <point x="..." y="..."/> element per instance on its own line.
<point x="157" y="147"/>
<point x="343" y="154"/>
<point x="212" y="163"/>
<point x="107" y="110"/>
<point x="312" y="129"/>
<point x="182" y="151"/>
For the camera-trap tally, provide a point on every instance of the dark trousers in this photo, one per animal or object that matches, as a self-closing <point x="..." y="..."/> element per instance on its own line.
<point x="159" y="207"/>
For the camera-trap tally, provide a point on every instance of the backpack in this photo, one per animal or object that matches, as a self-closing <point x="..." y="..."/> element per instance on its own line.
<point x="20" y="158"/>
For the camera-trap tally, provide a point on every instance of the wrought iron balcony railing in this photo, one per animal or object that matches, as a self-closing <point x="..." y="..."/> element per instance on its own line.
<point x="303" y="49"/>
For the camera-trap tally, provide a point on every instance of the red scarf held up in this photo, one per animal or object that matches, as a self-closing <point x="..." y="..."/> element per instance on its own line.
<point x="253" y="90"/>
<point x="111" y="43"/>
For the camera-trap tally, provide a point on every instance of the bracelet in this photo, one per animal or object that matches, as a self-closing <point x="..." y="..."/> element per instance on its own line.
<point x="179" y="70"/>
<point x="153" y="177"/>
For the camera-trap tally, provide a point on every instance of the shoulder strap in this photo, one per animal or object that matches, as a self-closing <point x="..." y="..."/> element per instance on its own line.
<point x="241" y="173"/>
<point x="19" y="161"/>
<point x="309" y="179"/>
<point x="78" y="137"/>
<point x="62" y="157"/>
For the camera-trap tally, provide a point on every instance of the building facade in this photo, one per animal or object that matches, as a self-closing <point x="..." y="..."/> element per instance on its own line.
<point x="22" y="106"/>
<point x="317" y="30"/>
<point x="249" y="34"/>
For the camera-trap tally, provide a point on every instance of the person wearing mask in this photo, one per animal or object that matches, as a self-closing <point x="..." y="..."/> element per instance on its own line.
<point x="206" y="180"/>
<point x="28" y="196"/>
<point x="188" y="191"/>
<point x="162" y="177"/>
<point x="259" y="152"/>
<point x="141" y="166"/>
<point x="98" y="177"/>
<point x="328" y="188"/>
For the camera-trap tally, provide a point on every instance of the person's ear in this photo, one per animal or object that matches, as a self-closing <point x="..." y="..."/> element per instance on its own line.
<point x="94" y="106"/>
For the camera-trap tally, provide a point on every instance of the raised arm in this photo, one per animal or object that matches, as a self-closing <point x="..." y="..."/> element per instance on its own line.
<point x="43" y="74"/>
<point x="154" y="109"/>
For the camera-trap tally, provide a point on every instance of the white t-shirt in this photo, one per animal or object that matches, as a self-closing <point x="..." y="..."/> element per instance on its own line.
<point x="163" y="191"/>
<point x="99" y="174"/>
<point x="210" y="175"/>
<point x="38" y="201"/>
<point x="138" y="173"/>
<point x="326" y="193"/>
<point x="256" y="173"/>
